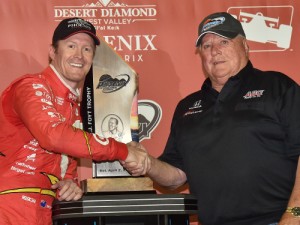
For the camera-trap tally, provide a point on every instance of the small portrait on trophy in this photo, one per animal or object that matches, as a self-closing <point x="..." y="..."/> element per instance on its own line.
<point x="112" y="126"/>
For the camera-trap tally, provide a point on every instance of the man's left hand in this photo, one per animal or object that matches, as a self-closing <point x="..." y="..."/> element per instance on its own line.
<point x="68" y="190"/>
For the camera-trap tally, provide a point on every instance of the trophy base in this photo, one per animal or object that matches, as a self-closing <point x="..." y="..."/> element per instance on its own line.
<point x="117" y="184"/>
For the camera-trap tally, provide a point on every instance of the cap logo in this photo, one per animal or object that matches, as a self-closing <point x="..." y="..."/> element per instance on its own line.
<point x="78" y="23"/>
<point x="210" y="23"/>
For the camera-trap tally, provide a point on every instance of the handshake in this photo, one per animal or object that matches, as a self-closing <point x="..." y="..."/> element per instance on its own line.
<point x="138" y="161"/>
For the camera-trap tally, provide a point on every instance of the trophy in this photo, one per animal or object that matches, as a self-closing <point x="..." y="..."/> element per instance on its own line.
<point x="110" y="109"/>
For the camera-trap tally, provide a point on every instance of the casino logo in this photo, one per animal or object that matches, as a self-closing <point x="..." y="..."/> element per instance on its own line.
<point x="111" y="19"/>
<point x="267" y="28"/>
<point x="150" y="114"/>
<point x="107" y="14"/>
<point x="105" y="2"/>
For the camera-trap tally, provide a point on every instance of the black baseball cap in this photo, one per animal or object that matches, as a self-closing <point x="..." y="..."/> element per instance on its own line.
<point x="71" y="26"/>
<point x="220" y="23"/>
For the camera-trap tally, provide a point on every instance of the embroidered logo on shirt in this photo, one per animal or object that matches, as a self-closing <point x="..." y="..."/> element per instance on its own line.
<point x="28" y="199"/>
<point x="196" y="105"/>
<point x="72" y="98"/>
<point x="192" y="110"/>
<point x="253" y="94"/>
<point x="43" y="203"/>
<point x="59" y="100"/>
<point x="39" y="86"/>
<point x="31" y="157"/>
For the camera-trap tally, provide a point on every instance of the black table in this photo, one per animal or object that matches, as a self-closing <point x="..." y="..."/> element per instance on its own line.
<point x="126" y="209"/>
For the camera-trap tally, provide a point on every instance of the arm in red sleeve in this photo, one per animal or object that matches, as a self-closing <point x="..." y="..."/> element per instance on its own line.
<point x="71" y="172"/>
<point x="36" y="109"/>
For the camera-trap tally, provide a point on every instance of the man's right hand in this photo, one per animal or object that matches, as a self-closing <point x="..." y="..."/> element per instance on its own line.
<point x="137" y="162"/>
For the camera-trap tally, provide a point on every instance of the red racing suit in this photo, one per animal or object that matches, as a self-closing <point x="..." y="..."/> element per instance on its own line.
<point x="38" y="141"/>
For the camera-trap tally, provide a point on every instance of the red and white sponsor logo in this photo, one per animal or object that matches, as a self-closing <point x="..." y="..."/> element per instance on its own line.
<point x="253" y="94"/>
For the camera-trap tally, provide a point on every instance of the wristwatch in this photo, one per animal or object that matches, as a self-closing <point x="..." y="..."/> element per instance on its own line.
<point x="295" y="211"/>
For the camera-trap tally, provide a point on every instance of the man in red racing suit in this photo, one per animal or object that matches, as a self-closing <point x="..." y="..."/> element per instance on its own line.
<point x="38" y="140"/>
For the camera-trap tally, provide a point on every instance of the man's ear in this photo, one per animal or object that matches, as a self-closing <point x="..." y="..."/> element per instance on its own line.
<point x="246" y="46"/>
<point x="51" y="52"/>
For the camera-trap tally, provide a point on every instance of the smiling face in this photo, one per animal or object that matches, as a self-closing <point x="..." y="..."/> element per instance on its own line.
<point x="73" y="58"/>
<point x="112" y="124"/>
<point x="222" y="58"/>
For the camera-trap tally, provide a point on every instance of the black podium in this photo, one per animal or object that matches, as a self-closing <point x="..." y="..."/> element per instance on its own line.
<point x="126" y="209"/>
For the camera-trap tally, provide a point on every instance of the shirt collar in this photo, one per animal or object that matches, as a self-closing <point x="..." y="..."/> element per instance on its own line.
<point x="71" y="95"/>
<point x="242" y="74"/>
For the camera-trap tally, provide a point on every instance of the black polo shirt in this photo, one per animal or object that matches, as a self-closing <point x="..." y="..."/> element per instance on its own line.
<point x="240" y="147"/>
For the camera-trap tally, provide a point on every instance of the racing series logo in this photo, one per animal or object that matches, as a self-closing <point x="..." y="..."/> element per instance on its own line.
<point x="109" y="84"/>
<point x="150" y="114"/>
<point x="269" y="28"/>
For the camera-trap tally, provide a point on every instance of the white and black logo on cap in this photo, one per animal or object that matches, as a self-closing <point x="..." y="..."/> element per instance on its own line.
<point x="213" y="23"/>
<point x="79" y="23"/>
